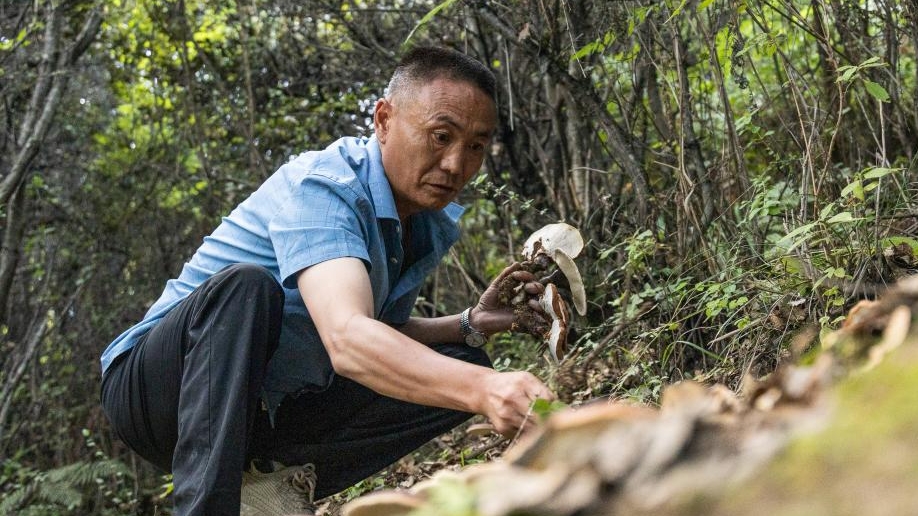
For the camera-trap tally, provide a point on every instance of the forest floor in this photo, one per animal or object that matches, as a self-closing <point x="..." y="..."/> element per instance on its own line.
<point x="830" y="432"/>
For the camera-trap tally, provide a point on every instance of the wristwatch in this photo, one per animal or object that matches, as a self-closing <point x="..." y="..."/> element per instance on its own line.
<point x="472" y="337"/>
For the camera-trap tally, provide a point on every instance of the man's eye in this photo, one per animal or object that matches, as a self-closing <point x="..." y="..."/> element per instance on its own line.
<point x="441" y="137"/>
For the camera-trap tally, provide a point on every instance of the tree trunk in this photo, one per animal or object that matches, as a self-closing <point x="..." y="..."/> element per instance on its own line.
<point x="47" y="93"/>
<point x="10" y="250"/>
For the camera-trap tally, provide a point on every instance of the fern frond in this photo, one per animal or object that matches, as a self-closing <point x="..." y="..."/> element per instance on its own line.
<point x="60" y="488"/>
<point x="40" y="510"/>
<point x="58" y="494"/>
<point x="81" y="474"/>
<point x="10" y="503"/>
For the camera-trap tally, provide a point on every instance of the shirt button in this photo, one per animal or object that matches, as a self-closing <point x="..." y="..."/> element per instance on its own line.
<point x="394" y="260"/>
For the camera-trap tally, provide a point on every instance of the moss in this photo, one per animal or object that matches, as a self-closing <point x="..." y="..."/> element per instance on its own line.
<point x="863" y="463"/>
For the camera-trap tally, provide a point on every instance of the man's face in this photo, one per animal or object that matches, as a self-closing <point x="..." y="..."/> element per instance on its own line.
<point x="433" y="140"/>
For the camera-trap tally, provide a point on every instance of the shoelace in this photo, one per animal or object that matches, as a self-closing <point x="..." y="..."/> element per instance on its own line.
<point x="278" y="491"/>
<point x="304" y="480"/>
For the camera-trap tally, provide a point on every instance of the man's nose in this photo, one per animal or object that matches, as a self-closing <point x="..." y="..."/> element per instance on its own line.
<point x="454" y="161"/>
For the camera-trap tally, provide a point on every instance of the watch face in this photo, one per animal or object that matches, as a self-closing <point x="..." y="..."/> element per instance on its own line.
<point x="475" y="339"/>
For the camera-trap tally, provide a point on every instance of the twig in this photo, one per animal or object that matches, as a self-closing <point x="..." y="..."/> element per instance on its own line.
<point x="600" y="346"/>
<point x="481" y="449"/>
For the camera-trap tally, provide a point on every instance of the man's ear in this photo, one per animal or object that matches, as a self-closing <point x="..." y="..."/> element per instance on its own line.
<point x="382" y="115"/>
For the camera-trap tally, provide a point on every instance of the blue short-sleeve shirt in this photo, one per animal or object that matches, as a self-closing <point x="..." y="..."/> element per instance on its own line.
<point x="321" y="205"/>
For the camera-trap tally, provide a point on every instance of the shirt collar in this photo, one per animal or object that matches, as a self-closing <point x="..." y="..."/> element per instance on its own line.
<point x="381" y="191"/>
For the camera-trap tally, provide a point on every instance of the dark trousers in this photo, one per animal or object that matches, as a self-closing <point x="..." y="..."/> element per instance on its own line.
<point x="186" y="398"/>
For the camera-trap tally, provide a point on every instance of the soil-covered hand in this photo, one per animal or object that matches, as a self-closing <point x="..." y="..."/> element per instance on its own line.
<point x="492" y="315"/>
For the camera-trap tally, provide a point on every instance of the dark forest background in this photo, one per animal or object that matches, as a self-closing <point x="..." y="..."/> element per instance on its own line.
<point x="743" y="172"/>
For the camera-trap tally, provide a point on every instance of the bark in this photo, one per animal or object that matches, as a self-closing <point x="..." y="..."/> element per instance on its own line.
<point x="53" y="70"/>
<point x="20" y="362"/>
<point x="579" y="89"/>
<point x="18" y="369"/>
<point x="10" y="250"/>
<point x="693" y="173"/>
<point x="739" y="162"/>
<point x="55" y="65"/>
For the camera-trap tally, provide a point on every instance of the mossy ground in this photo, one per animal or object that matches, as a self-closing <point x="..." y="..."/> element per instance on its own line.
<point x="865" y="462"/>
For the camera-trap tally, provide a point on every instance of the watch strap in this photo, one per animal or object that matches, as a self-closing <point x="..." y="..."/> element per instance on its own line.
<point x="471" y="336"/>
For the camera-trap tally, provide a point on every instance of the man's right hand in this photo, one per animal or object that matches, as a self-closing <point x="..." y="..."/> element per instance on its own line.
<point x="508" y="400"/>
<point x="339" y="298"/>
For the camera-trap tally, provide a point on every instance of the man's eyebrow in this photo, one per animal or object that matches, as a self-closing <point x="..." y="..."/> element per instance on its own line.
<point x="449" y="120"/>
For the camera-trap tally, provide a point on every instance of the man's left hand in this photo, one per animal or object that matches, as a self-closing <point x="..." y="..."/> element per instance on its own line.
<point x="490" y="316"/>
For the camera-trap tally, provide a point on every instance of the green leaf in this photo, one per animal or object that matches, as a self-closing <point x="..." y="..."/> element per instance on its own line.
<point x="7" y="44"/>
<point x="872" y="62"/>
<point x="802" y="231"/>
<point x="429" y="16"/>
<point x="876" y="91"/>
<point x="738" y="302"/>
<point x="847" y="72"/>
<point x="855" y="189"/>
<point x="696" y="347"/>
<point x="586" y="50"/>
<point x="676" y="11"/>
<point x="544" y="408"/>
<point x="878" y="172"/>
<point x="844" y="216"/>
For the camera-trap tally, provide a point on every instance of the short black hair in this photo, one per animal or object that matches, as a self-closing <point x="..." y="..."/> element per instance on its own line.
<point x="424" y="64"/>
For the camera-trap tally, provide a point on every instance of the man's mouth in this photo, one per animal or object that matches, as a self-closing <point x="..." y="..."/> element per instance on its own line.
<point x="444" y="188"/>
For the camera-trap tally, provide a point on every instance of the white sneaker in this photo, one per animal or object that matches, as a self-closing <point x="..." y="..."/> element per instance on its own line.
<point x="281" y="492"/>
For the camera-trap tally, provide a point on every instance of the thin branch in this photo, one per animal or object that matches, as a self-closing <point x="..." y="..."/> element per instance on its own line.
<point x="32" y="131"/>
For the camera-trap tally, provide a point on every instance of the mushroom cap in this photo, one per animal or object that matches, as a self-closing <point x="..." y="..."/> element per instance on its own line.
<point x="480" y="430"/>
<point x="567" y="432"/>
<point x="551" y="237"/>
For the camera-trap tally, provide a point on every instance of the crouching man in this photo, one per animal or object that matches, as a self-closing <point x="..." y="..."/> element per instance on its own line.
<point x="285" y="352"/>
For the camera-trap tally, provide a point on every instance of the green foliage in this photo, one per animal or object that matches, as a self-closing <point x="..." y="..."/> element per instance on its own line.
<point x="67" y="489"/>
<point x="850" y="73"/>
<point x="363" y="487"/>
<point x="427" y="18"/>
<point x="61" y="490"/>
<point x="544" y="408"/>
<point x="739" y="170"/>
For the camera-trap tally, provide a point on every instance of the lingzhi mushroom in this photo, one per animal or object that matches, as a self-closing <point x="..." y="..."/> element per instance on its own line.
<point x="554" y="245"/>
